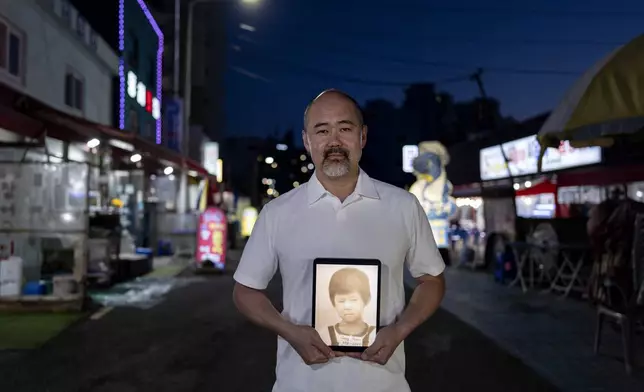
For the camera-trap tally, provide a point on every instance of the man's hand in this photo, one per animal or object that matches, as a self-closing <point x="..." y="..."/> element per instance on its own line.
<point x="308" y="344"/>
<point x="387" y="340"/>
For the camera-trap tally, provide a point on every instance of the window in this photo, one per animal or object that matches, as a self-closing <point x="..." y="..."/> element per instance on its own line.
<point x="11" y="50"/>
<point x="93" y="39"/>
<point x="152" y="65"/>
<point x="133" y="121"/>
<point x="14" y="55"/>
<point x="80" y="26"/>
<point x="3" y="46"/>
<point x="133" y="60"/>
<point x="66" y="12"/>
<point x="74" y="90"/>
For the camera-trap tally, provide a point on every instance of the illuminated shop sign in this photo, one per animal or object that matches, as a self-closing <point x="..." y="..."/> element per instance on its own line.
<point x="129" y="83"/>
<point x="523" y="157"/>
<point x="137" y="90"/>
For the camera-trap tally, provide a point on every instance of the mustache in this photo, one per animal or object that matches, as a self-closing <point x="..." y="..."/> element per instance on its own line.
<point x="336" y="150"/>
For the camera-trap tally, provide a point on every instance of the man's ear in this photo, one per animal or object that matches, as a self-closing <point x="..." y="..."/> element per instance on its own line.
<point x="363" y="136"/>
<point x="305" y="141"/>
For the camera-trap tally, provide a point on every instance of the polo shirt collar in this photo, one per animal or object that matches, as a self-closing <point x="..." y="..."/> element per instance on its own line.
<point x="365" y="187"/>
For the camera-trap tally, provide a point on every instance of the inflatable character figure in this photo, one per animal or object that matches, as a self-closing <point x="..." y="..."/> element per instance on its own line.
<point x="433" y="190"/>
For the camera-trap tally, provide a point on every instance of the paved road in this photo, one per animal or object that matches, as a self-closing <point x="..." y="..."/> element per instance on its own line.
<point x="196" y="341"/>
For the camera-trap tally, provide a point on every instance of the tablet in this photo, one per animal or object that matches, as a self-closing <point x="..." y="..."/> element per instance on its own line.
<point x="346" y="302"/>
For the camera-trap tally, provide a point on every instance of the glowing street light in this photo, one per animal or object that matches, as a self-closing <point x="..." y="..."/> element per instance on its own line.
<point x="269" y="160"/>
<point x="93" y="143"/>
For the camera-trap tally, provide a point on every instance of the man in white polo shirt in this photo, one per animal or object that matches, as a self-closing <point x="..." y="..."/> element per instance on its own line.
<point x="343" y="213"/>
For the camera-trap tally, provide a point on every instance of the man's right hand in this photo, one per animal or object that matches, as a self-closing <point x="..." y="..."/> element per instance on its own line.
<point x="308" y="344"/>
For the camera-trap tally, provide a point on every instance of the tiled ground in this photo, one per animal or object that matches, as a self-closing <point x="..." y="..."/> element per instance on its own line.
<point x="552" y="335"/>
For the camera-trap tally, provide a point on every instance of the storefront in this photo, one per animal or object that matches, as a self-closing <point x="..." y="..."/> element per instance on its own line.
<point x="78" y="185"/>
<point x="526" y="193"/>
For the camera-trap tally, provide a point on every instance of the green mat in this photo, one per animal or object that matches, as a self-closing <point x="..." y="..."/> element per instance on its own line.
<point x="27" y="331"/>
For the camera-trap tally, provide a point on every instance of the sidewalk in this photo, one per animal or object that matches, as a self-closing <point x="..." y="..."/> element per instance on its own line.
<point x="20" y="331"/>
<point x="552" y="335"/>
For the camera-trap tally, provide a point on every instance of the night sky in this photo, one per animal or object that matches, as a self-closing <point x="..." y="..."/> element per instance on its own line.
<point x="372" y="49"/>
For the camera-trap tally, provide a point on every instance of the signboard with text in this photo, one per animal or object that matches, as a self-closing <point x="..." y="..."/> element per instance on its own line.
<point x="212" y="239"/>
<point x="409" y="153"/>
<point x="173" y="123"/>
<point x="523" y="157"/>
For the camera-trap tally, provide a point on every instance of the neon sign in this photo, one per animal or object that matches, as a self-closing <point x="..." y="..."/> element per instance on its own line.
<point x="129" y="83"/>
<point x="137" y="90"/>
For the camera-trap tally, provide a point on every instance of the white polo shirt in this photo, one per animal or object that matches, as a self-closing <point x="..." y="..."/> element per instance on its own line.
<point x="377" y="221"/>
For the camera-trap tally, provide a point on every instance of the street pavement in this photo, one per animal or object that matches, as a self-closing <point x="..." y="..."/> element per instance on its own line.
<point x="196" y="341"/>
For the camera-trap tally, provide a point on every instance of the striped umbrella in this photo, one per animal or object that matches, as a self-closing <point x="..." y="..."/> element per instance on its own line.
<point x="607" y="101"/>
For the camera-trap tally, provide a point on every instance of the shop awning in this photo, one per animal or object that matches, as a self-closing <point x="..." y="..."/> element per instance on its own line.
<point x="602" y="176"/>
<point x="30" y="117"/>
<point x="543" y="187"/>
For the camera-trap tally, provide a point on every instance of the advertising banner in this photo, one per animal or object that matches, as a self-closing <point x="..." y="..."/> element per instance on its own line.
<point x="212" y="238"/>
<point x="409" y="153"/>
<point x="249" y="217"/>
<point x="440" y="229"/>
<point x="173" y="116"/>
<point x="523" y="157"/>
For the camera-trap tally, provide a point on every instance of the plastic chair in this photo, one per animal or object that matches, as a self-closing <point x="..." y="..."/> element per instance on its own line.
<point x="628" y="308"/>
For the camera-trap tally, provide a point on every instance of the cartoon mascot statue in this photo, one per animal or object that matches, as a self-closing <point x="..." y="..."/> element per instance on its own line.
<point x="433" y="190"/>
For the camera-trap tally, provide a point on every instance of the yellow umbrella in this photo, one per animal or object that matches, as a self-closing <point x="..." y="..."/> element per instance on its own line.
<point x="608" y="100"/>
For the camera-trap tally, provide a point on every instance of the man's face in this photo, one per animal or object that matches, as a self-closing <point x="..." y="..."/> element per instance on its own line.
<point x="334" y="135"/>
<point x="349" y="306"/>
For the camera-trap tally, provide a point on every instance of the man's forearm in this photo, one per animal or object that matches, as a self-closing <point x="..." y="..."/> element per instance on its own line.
<point x="255" y="305"/>
<point x="424" y="301"/>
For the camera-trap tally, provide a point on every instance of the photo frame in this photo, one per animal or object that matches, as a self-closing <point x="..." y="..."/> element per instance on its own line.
<point x="346" y="302"/>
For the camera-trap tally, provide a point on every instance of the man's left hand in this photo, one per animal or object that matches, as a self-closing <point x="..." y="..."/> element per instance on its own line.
<point x="387" y="340"/>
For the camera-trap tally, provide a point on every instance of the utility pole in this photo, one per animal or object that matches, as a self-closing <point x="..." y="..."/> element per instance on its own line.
<point x="478" y="78"/>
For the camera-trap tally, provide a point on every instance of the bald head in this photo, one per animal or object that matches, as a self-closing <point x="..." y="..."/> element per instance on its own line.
<point x="333" y="94"/>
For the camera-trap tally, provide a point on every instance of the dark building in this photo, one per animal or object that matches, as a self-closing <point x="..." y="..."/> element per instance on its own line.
<point x="132" y="32"/>
<point x="207" y="64"/>
<point x="265" y="168"/>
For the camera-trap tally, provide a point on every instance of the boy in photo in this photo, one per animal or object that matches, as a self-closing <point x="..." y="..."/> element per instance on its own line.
<point x="350" y="293"/>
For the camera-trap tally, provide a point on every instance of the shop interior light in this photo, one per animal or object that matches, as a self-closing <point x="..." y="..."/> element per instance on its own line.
<point x="193" y="173"/>
<point x="168" y="170"/>
<point x="528" y="184"/>
<point x="135" y="158"/>
<point x="281" y="147"/>
<point x="516" y="187"/>
<point x="269" y="160"/>
<point x="93" y="143"/>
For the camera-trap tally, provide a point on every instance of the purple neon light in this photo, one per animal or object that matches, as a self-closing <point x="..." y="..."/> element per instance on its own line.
<point x="122" y="94"/>
<point x="159" y="78"/>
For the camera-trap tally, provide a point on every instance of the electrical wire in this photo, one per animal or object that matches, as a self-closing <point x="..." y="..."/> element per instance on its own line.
<point x="380" y="35"/>
<point x="423" y="8"/>
<point x="308" y="71"/>
<point x="425" y="63"/>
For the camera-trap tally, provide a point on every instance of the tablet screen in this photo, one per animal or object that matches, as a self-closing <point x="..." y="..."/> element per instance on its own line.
<point x="346" y="302"/>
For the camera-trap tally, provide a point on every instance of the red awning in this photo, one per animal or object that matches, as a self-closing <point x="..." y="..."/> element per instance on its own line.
<point x="602" y="176"/>
<point x="543" y="187"/>
<point x="29" y="117"/>
<point x="193" y="165"/>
